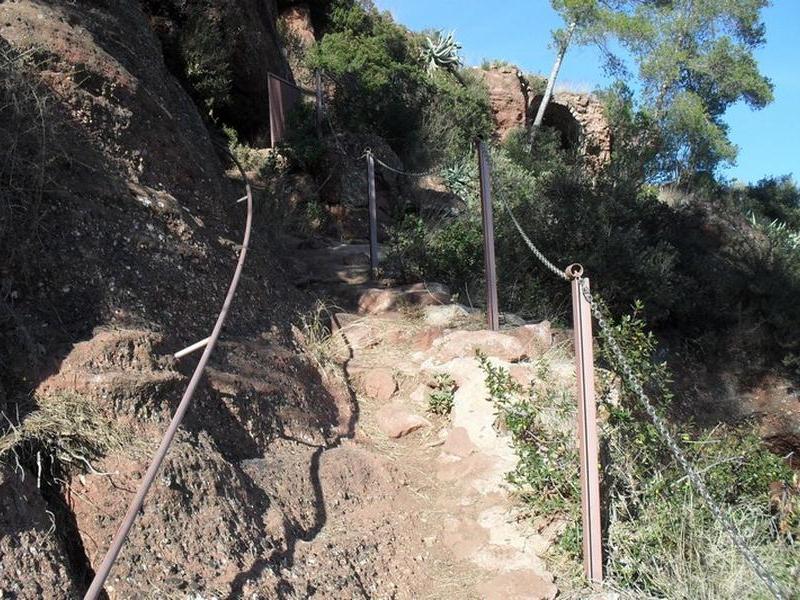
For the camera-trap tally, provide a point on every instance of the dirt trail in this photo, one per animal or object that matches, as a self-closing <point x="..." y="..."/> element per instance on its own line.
<point x="469" y="534"/>
<point x="423" y="498"/>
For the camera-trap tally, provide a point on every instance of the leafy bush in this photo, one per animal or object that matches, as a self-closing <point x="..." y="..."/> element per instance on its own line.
<point x="382" y="87"/>
<point x="440" y="401"/>
<point x="662" y="540"/>
<point x="379" y="79"/>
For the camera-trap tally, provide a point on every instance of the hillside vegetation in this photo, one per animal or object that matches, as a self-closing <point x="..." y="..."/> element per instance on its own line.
<point x="119" y="231"/>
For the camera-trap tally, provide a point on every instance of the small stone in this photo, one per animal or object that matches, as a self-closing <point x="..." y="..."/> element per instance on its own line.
<point x="458" y="443"/>
<point x="379" y="384"/>
<point x="397" y="422"/>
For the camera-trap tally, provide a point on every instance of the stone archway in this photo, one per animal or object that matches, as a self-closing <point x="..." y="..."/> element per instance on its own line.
<point x="559" y="117"/>
<point x="581" y="120"/>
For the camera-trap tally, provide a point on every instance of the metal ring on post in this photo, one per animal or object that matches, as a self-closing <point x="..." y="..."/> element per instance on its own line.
<point x="574" y="271"/>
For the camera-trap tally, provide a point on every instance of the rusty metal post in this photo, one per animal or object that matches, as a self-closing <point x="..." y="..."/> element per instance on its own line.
<point x="373" y="214"/>
<point x="319" y="108"/>
<point x="492" y="314"/>
<point x="588" y="445"/>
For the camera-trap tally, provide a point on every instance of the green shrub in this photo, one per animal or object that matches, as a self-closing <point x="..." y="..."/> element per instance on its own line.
<point x="380" y="82"/>
<point x="539" y="420"/>
<point x="207" y="60"/>
<point x="661" y="539"/>
<point x="382" y="87"/>
<point x="440" y="401"/>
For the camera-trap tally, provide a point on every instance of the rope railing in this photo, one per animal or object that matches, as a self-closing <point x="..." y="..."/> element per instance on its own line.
<point x="635" y="385"/>
<point x="412" y="174"/>
<point x="136" y="504"/>
<point x="692" y="474"/>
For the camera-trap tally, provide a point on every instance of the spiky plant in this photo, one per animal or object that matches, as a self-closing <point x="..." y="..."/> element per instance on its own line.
<point x="441" y="52"/>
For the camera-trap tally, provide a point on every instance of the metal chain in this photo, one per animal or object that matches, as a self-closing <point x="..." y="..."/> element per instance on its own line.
<point x="399" y="172"/>
<point x="556" y="271"/>
<point x="691" y="473"/>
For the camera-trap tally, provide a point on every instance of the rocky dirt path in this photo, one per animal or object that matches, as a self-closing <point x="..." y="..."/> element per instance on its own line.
<point x="441" y="496"/>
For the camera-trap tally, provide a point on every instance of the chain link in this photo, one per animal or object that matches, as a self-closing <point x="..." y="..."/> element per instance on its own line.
<point x="542" y="258"/>
<point x="660" y="425"/>
<point x="399" y="172"/>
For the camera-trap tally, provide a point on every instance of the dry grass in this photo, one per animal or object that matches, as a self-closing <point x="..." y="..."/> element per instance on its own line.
<point x="67" y="428"/>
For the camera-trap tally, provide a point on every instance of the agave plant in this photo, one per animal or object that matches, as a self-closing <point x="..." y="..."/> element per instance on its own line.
<point x="441" y="52"/>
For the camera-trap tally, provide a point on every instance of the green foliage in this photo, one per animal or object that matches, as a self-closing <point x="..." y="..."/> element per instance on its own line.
<point x="440" y="401"/>
<point x="452" y="252"/>
<point x="250" y="158"/>
<point x="382" y="87"/>
<point x="540" y="423"/>
<point x="441" y="52"/>
<point x="695" y="59"/>
<point x="380" y="81"/>
<point x="301" y="145"/>
<point x="207" y="60"/>
<point x="456" y="113"/>
<point x="662" y="541"/>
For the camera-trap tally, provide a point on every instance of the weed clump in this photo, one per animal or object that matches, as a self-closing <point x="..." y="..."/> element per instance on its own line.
<point x="440" y="401"/>
<point x="68" y="430"/>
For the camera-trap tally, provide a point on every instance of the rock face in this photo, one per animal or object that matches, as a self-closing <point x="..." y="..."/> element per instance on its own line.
<point x="345" y="193"/>
<point x="508" y="99"/>
<point x="237" y="39"/>
<point x="579" y="117"/>
<point x="467" y="343"/>
<point x="33" y="558"/>
<point x="295" y="23"/>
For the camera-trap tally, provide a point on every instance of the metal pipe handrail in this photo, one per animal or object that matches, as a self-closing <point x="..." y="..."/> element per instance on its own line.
<point x="158" y="458"/>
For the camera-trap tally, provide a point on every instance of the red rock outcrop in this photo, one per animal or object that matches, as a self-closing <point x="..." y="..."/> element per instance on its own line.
<point x="579" y="117"/>
<point x="508" y="99"/>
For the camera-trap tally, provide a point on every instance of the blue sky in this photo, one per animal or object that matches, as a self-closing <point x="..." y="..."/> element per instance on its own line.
<point x="519" y="31"/>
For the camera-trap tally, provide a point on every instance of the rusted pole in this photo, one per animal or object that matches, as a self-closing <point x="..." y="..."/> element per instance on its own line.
<point x="319" y="100"/>
<point x="588" y="446"/>
<point x="492" y="314"/>
<point x="373" y="214"/>
<point x="103" y="571"/>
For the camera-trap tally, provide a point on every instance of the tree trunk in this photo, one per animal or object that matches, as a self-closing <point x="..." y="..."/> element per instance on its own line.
<point x="551" y="82"/>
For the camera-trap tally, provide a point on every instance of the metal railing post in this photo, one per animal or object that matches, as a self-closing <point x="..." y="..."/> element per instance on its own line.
<point x="492" y="314"/>
<point x="373" y="214"/>
<point x="588" y="445"/>
<point x="319" y="100"/>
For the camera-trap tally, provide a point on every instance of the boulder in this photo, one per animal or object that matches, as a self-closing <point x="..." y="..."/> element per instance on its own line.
<point x="378" y="300"/>
<point x="396" y="422"/>
<point x="378" y="384"/>
<point x="464" y="344"/>
<point x="458" y="443"/>
<point x="535" y="337"/>
<point x="444" y="315"/>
